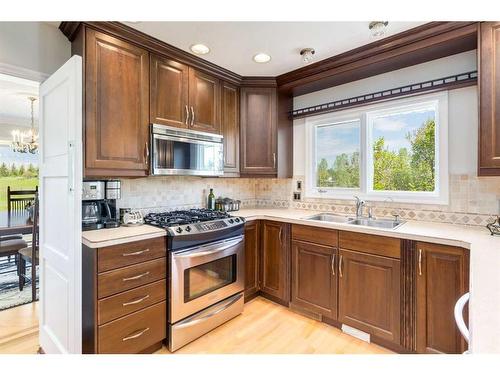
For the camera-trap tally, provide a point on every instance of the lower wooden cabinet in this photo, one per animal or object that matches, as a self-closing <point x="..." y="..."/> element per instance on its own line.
<point x="369" y="299"/>
<point x="314" y="281"/>
<point x="275" y="260"/>
<point x="252" y="258"/>
<point x="441" y="279"/>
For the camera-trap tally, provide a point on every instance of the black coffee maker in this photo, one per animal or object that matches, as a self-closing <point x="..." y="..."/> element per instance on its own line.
<point x="97" y="211"/>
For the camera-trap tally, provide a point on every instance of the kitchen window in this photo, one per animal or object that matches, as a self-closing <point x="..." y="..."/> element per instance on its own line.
<point x="394" y="150"/>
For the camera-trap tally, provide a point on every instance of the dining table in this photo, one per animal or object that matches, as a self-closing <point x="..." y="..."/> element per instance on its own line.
<point x="15" y="223"/>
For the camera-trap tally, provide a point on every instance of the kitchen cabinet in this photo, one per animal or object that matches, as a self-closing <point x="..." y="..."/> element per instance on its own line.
<point x="124" y="297"/>
<point x="252" y="258"/>
<point x="275" y="261"/>
<point x="441" y="279"/>
<point x="258" y="145"/>
<point x="314" y="277"/>
<point x="230" y="124"/>
<point x="489" y="97"/>
<point x="169" y="92"/>
<point x="183" y="97"/>
<point x="116" y="107"/>
<point x="369" y="300"/>
<point x="314" y="281"/>
<point x="204" y="102"/>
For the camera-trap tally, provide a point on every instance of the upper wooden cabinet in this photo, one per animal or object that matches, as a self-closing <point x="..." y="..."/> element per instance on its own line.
<point x="184" y="97"/>
<point x="275" y="260"/>
<point x="442" y="278"/>
<point x="230" y="121"/>
<point x="489" y="99"/>
<point x="204" y="102"/>
<point x="116" y="107"/>
<point x="169" y="92"/>
<point x="258" y="146"/>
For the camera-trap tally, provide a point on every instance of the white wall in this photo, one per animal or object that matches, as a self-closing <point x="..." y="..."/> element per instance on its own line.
<point x="37" y="46"/>
<point x="462" y="107"/>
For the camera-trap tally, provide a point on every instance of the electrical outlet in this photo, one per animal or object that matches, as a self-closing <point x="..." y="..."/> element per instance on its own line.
<point x="296" y="196"/>
<point x="299" y="185"/>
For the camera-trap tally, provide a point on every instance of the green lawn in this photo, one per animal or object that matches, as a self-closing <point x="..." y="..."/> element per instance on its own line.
<point x="15" y="183"/>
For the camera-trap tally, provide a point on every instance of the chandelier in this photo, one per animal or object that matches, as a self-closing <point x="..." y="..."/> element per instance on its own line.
<point x="26" y="142"/>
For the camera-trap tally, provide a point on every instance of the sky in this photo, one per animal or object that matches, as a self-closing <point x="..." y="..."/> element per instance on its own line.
<point x="337" y="139"/>
<point x="9" y="157"/>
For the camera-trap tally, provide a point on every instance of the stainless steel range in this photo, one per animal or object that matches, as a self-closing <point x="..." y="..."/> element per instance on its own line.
<point x="206" y="262"/>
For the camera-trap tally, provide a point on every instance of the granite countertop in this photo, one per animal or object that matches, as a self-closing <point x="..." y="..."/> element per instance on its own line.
<point x="484" y="303"/>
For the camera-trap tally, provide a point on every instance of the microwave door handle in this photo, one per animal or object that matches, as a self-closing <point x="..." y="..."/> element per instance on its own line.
<point x="210" y="249"/>
<point x="207" y="314"/>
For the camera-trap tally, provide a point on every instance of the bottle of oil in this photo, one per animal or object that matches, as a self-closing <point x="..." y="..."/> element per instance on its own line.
<point x="211" y="200"/>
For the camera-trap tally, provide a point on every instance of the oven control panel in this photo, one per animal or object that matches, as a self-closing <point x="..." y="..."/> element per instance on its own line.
<point x="205" y="227"/>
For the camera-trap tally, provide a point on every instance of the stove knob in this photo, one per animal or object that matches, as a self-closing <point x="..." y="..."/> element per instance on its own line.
<point x="188" y="229"/>
<point x="237" y="220"/>
<point x="231" y="221"/>
<point x="179" y="230"/>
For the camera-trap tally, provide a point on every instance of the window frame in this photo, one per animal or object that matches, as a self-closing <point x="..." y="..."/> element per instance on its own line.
<point x="364" y="114"/>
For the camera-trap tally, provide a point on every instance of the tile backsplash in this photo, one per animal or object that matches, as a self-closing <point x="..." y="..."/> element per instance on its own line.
<point x="473" y="200"/>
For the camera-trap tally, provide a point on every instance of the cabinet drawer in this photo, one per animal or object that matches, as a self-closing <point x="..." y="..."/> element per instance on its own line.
<point x="112" y="257"/>
<point x="368" y="243"/>
<point x="121" y="304"/>
<point x="321" y="236"/>
<point x="135" y="332"/>
<point x="126" y="278"/>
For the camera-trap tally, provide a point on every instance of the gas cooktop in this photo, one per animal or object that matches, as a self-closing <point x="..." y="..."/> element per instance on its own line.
<point x="174" y="218"/>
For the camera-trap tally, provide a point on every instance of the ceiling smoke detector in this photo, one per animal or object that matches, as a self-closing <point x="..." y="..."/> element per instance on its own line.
<point x="307" y="55"/>
<point x="378" y="28"/>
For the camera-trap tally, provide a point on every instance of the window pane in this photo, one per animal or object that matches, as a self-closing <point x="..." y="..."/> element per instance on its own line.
<point x="404" y="151"/>
<point x="337" y="155"/>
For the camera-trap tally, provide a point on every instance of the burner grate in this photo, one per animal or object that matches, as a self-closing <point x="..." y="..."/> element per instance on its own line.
<point x="174" y="218"/>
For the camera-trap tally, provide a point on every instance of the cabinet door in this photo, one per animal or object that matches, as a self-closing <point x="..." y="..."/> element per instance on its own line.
<point x="230" y="120"/>
<point x="441" y="280"/>
<point x="252" y="247"/>
<point x="204" y="102"/>
<point x="369" y="294"/>
<point x="489" y="97"/>
<point x="116" y="107"/>
<point x="275" y="260"/>
<point x="169" y="92"/>
<point x="314" y="281"/>
<point x="258" y="131"/>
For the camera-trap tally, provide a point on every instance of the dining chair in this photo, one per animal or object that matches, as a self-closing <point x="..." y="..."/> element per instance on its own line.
<point x="30" y="254"/>
<point x="18" y="199"/>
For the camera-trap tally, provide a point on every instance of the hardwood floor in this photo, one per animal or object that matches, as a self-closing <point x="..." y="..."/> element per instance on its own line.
<point x="268" y="328"/>
<point x="263" y="328"/>
<point x="19" y="329"/>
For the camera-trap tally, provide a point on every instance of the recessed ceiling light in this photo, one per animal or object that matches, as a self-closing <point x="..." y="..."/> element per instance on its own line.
<point x="261" y="58"/>
<point x="200" y="49"/>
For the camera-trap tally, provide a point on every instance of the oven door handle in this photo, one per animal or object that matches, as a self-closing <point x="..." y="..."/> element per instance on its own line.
<point x="209" y="249"/>
<point x="198" y="318"/>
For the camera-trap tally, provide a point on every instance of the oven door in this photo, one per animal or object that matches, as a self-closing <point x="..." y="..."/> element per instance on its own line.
<point x="204" y="275"/>
<point x="174" y="155"/>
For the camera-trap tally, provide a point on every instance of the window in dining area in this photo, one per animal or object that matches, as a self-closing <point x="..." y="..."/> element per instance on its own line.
<point x="18" y="190"/>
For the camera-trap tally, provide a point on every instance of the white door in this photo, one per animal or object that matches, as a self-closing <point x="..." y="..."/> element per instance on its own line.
<point x="60" y="209"/>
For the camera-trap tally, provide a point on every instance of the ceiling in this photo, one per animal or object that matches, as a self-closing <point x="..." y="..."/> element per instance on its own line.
<point x="15" y="108"/>
<point x="233" y="44"/>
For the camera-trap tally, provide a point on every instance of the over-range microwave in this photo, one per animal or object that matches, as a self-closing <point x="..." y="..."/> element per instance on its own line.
<point x="185" y="152"/>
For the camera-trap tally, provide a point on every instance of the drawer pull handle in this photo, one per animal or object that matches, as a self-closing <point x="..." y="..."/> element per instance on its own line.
<point x="136" y="335"/>
<point x="135" y="277"/>
<point x="135" y="253"/>
<point x="136" y="301"/>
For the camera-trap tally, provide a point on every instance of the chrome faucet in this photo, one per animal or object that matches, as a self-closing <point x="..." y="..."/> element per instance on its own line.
<point x="360" y="204"/>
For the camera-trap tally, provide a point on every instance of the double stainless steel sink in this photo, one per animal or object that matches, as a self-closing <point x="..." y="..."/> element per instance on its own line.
<point x="363" y="221"/>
